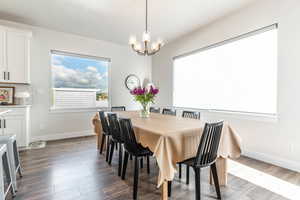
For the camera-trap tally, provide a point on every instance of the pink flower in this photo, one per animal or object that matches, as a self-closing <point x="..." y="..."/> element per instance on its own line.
<point x="153" y="91"/>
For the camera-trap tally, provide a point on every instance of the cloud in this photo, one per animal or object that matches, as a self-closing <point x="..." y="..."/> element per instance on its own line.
<point x="64" y="77"/>
<point x="92" y="69"/>
<point x="57" y="59"/>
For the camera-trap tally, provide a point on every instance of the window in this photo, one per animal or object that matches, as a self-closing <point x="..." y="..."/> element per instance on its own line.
<point x="79" y="81"/>
<point x="238" y="75"/>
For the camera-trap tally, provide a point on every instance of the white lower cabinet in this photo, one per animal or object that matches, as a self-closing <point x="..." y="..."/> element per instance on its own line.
<point x="16" y="123"/>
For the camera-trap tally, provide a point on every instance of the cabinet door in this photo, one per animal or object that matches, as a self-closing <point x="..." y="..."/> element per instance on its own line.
<point x="2" y="54"/>
<point x="17" y="57"/>
<point x="15" y="126"/>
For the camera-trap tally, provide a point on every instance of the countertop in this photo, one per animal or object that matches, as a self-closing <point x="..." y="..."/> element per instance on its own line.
<point x="4" y="112"/>
<point x="14" y="106"/>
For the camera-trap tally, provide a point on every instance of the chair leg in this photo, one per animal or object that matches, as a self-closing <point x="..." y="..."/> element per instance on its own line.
<point x="169" y="188"/>
<point x="17" y="158"/>
<point x="20" y="172"/>
<point x="125" y="165"/>
<point x="180" y="170"/>
<point x="136" y="177"/>
<point x="111" y="152"/>
<point x="148" y="165"/>
<point x="102" y="144"/>
<point x="142" y="162"/>
<point x="120" y="159"/>
<point x="187" y="174"/>
<point x="7" y="173"/>
<point x="197" y="183"/>
<point x="216" y="179"/>
<point x="107" y="148"/>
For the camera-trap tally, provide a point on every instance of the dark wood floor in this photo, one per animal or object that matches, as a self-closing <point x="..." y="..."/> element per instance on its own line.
<point x="73" y="170"/>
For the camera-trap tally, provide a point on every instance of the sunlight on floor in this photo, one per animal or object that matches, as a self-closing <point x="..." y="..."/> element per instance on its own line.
<point x="264" y="180"/>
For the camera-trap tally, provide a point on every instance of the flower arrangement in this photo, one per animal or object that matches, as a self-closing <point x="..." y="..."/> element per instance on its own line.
<point x="144" y="96"/>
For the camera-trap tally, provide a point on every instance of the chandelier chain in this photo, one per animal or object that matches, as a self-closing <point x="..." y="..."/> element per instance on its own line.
<point x="146" y="15"/>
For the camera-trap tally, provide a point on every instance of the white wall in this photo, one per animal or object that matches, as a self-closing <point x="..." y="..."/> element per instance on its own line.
<point x="46" y="125"/>
<point x="276" y="142"/>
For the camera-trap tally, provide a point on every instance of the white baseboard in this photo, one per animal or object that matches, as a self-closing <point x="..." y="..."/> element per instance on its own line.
<point x="281" y="162"/>
<point x="60" y="136"/>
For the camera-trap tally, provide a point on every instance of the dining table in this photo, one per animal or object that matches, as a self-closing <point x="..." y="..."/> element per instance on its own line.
<point x="173" y="139"/>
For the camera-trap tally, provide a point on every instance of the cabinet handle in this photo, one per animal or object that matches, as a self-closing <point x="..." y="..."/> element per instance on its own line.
<point x="8" y="75"/>
<point x="4" y="123"/>
<point x="0" y="123"/>
<point x="4" y="75"/>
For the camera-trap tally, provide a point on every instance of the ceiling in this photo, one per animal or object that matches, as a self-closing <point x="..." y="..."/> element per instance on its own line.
<point x="115" y="20"/>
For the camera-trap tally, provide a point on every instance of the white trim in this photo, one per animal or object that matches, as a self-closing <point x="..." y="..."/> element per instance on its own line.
<point x="281" y="162"/>
<point x="233" y="114"/>
<point x="76" y="110"/>
<point x="67" y="53"/>
<point x="76" y="89"/>
<point x="59" y="136"/>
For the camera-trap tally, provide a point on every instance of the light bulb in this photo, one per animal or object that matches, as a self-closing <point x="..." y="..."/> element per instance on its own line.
<point x="138" y="46"/>
<point x="154" y="46"/>
<point x="146" y="37"/>
<point x="132" y="40"/>
<point x="160" y="42"/>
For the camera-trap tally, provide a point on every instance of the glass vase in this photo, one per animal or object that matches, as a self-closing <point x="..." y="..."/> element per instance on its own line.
<point x="145" y="111"/>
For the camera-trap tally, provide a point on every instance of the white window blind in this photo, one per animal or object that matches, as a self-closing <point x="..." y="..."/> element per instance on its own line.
<point x="236" y="75"/>
<point x="73" y="98"/>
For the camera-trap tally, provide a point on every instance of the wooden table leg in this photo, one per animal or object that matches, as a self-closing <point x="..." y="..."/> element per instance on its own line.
<point x="164" y="191"/>
<point x="222" y="169"/>
<point x="98" y="141"/>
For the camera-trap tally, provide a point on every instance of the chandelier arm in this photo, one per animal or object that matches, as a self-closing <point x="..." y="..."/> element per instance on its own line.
<point x="143" y="53"/>
<point x="156" y="50"/>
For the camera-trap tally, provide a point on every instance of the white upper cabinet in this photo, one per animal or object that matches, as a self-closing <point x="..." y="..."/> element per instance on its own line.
<point x="14" y="55"/>
<point x="17" y="57"/>
<point x="3" y="67"/>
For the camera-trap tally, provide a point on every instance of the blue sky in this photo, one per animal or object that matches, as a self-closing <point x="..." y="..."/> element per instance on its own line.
<point x="76" y="72"/>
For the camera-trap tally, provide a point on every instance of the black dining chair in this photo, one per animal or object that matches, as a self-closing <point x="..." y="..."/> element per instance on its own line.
<point x="206" y="156"/>
<point x="116" y="139"/>
<point x="132" y="147"/>
<point x="168" y="111"/>
<point x="192" y="115"/>
<point x="154" y="110"/>
<point x="118" y="108"/>
<point x="105" y="134"/>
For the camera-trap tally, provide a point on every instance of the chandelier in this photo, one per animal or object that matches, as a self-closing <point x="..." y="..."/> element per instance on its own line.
<point x="147" y="49"/>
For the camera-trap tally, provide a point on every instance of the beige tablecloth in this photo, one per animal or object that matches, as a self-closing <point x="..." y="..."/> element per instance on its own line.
<point x="174" y="139"/>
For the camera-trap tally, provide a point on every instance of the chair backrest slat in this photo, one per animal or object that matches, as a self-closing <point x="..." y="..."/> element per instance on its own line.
<point x="104" y="123"/>
<point x="168" y="111"/>
<point x="130" y="143"/>
<point x="191" y="114"/>
<point x="209" y="144"/>
<point x="114" y="127"/>
<point x="118" y="108"/>
<point x="154" y="110"/>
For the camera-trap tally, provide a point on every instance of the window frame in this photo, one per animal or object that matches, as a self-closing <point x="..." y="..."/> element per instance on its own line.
<point x="52" y="107"/>
<point x="249" y="115"/>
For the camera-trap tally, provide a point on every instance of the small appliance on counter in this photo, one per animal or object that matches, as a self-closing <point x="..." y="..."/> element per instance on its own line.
<point x="22" y="98"/>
